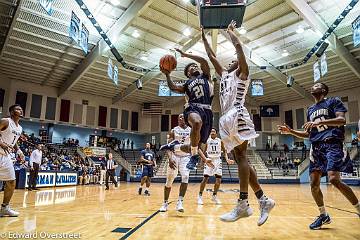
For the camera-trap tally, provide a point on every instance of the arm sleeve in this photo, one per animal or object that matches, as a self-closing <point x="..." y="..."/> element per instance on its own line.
<point x="338" y="105"/>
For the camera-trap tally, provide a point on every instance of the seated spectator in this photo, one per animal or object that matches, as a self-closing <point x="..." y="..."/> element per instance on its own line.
<point x="275" y="147"/>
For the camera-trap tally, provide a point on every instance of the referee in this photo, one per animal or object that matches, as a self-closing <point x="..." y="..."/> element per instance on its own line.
<point x="35" y="162"/>
<point x="110" y="171"/>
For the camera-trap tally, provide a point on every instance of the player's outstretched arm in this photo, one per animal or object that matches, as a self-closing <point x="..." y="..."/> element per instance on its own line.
<point x="285" y="129"/>
<point x="243" y="68"/>
<point x="204" y="65"/>
<point x="218" y="68"/>
<point x="171" y="84"/>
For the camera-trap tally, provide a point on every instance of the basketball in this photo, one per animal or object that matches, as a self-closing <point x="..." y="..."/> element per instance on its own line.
<point x="168" y="62"/>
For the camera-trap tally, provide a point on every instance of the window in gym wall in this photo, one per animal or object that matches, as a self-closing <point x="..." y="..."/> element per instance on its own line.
<point x="21" y="98"/>
<point x="36" y="103"/>
<point x="50" y="108"/>
<point x="125" y="119"/>
<point x="134" y="121"/>
<point x="65" y="110"/>
<point x="300" y="118"/>
<point x="114" y="117"/>
<point x="102" y="116"/>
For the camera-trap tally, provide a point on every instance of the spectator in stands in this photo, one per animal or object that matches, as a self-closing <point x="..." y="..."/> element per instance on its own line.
<point x="275" y="147"/>
<point x="102" y="171"/>
<point x="286" y="148"/>
<point x="127" y="143"/>
<point x="297" y="162"/>
<point x="303" y="152"/>
<point x="132" y="145"/>
<point x="354" y="142"/>
<point x="267" y="146"/>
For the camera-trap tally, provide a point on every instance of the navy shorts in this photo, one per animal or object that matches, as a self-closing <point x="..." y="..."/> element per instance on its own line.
<point x="207" y="120"/>
<point x="148" y="171"/>
<point x="331" y="156"/>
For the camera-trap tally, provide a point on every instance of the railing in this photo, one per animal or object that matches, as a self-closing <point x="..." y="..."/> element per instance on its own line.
<point x="125" y="164"/>
<point x="303" y="166"/>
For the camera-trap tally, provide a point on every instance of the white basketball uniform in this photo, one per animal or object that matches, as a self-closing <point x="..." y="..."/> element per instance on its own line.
<point x="181" y="158"/>
<point x="9" y="136"/>
<point x="214" y="153"/>
<point x="235" y="124"/>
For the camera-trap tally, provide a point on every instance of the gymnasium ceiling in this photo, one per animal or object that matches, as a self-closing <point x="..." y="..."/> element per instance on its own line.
<point x="37" y="47"/>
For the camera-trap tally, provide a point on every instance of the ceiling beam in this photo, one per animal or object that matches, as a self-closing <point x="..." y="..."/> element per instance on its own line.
<point x="134" y="10"/>
<point x="15" y="16"/>
<point x="151" y="75"/>
<point x="314" y="20"/>
<point x="277" y="74"/>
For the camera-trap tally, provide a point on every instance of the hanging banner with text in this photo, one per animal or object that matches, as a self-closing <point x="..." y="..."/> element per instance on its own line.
<point x="110" y="69"/>
<point x="74" y="27"/>
<point x="116" y="75"/>
<point x="356" y="30"/>
<point x="84" y="38"/>
<point x="323" y="65"/>
<point x="317" y="74"/>
<point x="257" y="87"/>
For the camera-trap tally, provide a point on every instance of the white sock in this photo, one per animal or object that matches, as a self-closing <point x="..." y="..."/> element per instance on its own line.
<point x="322" y="210"/>
<point x="181" y="198"/>
<point x="194" y="151"/>
<point x="140" y="186"/>
<point x="357" y="207"/>
<point x="263" y="198"/>
<point x="177" y="148"/>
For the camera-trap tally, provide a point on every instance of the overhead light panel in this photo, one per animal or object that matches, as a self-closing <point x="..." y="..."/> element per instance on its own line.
<point x="300" y="29"/>
<point x="187" y="32"/>
<point x="242" y="31"/>
<point x="135" y="34"/>
<point x="115" y="2"/>
<point x="285" y="53"/>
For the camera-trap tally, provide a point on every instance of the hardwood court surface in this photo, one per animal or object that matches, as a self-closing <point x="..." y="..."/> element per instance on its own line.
<point x="95" y="213"/>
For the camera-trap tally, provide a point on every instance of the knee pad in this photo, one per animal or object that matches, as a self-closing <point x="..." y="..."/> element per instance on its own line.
<point x="185" y="178"/>
<point x="169" y="180"/>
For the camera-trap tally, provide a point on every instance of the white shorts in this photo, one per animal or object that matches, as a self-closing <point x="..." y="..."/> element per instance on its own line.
<point x="217" y="170"/>
<point x="235" y="127"/>
<point x="181" y="162"/>
<point x="7" y="172"/>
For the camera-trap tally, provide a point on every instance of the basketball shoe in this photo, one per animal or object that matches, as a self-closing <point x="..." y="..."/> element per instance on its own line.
<point x="193" y="162"/>
<point x="170" y="146"/>
<point x="266" y="205"/>
<point x="200" y="201"/>
<point x="241" y="210"/>
<point x="319" y="221"/>
<point x="7" y="211"/>
<point x="179" y="206"/>
<point x="215" y="199"/>
<point x="164" y="207"/>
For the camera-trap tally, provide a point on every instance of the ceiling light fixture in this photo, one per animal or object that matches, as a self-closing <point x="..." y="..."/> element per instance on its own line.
<point x="135" y="34"/>
<point x="187" y="32"/>
<point x="115" y="2"/>
<point x="285" y="53"/>
<point x="242" y="31"/>
<point x="300" y="29"/>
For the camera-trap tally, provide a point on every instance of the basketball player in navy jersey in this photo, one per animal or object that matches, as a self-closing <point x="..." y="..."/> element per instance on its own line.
<point x="325" y="129"/>
<point x="198" y="114"/>
<point x="236" y="128"/>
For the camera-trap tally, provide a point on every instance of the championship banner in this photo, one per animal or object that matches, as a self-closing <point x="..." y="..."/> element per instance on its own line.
<point x="116" y="75"/>
<point x="316" y="71"/>
<point x="110" y="69"/>
<point x="356" y="30"/>
<point x="84" y="38"/>
<point x="257" y="87"/>
<point x="47" y="5"/>
<point x="323" y="65"/>
<point x="74" y="27"/>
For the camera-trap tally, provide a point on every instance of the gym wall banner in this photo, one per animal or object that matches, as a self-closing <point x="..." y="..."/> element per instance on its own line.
<point x="356" y="29"/>
<point x="317" y="74"/>
<point x="47" y="5"/>
<point x="164" y="90"/>
<point x="110" y="69"/>
<point x="74" y="27"/>
<point x="257" y="87"/>
<point x="84" y="38"/>
<point x="323" y="65"/>
<point x="116" y="75"/>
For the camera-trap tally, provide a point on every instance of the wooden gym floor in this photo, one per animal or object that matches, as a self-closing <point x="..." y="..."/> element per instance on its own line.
<point x="121" y="213"/>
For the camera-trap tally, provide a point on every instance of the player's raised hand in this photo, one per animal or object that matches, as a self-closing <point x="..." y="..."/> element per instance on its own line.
<point x="183" y="54"/>
<point x="231" y="26"/>
<point x="284" y="129"/>
<point x="164" y="71"/>
<point x="230" y="161"/>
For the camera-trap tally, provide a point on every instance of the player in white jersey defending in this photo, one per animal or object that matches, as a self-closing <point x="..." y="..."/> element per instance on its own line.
<point x="237" y="128"/>
<point x="10" y="131"/>
<point x="177" y="163"/>
<point x="214" y="148"/>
